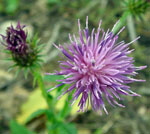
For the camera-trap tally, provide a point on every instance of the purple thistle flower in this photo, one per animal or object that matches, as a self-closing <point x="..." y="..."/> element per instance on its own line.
<point x="97" y="68"/>
<point x="15" y="39"/>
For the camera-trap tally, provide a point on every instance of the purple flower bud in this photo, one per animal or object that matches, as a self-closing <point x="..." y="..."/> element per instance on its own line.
<point x="15" y="39"/>
<point x="24" y="53"/>
<point x="97" y="68"/>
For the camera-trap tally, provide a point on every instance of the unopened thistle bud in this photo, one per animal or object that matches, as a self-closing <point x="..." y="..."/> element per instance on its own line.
<point x="25" y="53"/>
<point x="136" y="7"/>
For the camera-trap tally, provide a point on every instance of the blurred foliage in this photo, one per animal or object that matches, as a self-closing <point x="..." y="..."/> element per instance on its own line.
<point x="9" y="6"/>
<point x="18" y="129"/>
<point x="136" y="7"/>
<point x="62" y="128"/>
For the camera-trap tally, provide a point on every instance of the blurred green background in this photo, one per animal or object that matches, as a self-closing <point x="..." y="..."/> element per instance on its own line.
<point x="53" y="20"/>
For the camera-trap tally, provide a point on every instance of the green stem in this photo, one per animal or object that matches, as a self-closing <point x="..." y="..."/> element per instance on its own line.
<point x="48" y="98"/>
<point x="121" y="22"/>
<point x="131" y="29"/>
<point x="39" y="79"/>
<point x="52" y="116"/>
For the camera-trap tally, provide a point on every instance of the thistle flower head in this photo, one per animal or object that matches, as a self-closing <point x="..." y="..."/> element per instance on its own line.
<point x="15" y="39"/>
<point x="97" y="68"/>
<point x="25" y="53"/>
<point x="136" y="7"/>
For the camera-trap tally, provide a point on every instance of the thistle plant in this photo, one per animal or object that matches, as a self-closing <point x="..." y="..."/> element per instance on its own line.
<point x="97" y="67"/>
<point x="96" y="70"/>
<point x="25" y="52"/>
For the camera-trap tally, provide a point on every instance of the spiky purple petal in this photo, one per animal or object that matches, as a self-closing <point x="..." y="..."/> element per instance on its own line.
<point x="15" y="39"/>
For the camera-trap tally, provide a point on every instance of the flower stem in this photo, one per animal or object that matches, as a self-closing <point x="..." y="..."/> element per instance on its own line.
<point x="39" y="79"/>
<point x="121" y="22"/>
<point x="131" y="28"/>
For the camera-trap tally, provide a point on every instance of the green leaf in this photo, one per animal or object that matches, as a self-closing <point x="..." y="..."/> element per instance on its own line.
<point x="36" y="114"/>
<point x="11" y="67"/>
<point x="8" y="59"/>
<point x="98" y="131"/>
<point x="51" y="117"/>
<point x="53" y="1"/>
<point x="66" y="109"/>
<point x="40" y="47"/>
<point x="68" y="128"/>
<point x="6" y="51"/>
<point x="62" y="128"/>
<point x="17" y="72"/>
<point x="17" y="128"/>
<point x="1" y="7"/>
<point x="52" y="78"/>
<point x="26" y="72"/>
<point x="50" y="97"/>
<point x="34" y="81"/>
